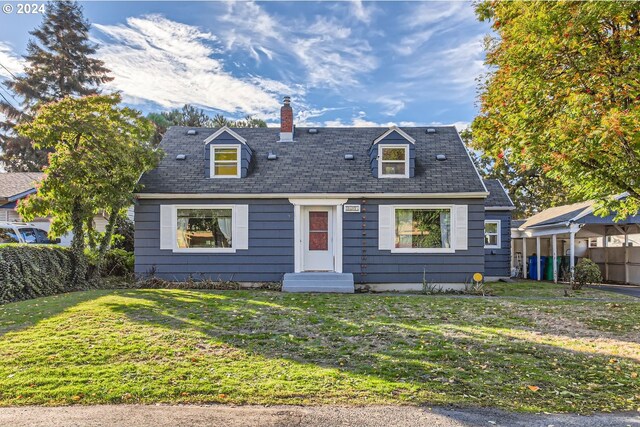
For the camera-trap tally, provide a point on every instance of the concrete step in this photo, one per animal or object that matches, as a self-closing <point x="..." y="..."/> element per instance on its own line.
<point x="318" y="282"/>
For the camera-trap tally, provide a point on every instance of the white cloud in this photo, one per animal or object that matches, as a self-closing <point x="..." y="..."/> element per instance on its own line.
<point x="461" y="125"/>
<point x="409" y="44"/>
<point x="434" y="12"/>
<point x="14" y="64"/>
<point x="392" y="105"/>
<point x="331" y="56"/>
<point x="360" y="11"/>
<point x="169" y="63"/>
<point x="455" y="68"/>
<point x="328" y="52"/>
<point x="360" y="120"/>
<point x="429" y="19"/>
<point x="304" y="115"/>
<point x="247" y="26"/>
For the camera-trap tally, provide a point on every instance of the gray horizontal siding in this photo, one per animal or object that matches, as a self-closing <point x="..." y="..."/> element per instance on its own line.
<point x="497" y="262"/>
<point x="271" y="246"/>
<point x="269" y="256"/>
<point x="376" y="266"/>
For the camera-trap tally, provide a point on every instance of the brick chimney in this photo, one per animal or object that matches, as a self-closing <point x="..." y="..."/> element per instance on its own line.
<point x="286" y="121"/>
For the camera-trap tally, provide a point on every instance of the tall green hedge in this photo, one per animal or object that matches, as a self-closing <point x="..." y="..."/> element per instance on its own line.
<point x="31" y="271"/>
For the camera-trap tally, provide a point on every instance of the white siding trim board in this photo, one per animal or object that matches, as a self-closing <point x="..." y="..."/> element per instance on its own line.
<point x="316" y="196"/>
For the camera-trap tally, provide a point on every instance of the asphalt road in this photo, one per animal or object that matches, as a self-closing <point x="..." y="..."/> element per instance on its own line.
<point x="634" y="291"/>
<point x="298" y="416"/>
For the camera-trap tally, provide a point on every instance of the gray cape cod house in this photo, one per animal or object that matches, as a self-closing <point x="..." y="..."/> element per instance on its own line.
<point x="320" y="208"/>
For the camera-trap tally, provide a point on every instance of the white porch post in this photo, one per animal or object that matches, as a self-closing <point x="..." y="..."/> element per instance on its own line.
<point x="626" y="255"/>
<point x="524" y="257"/>
<point x="572" y="251"/>
<point x="538" y="256"/>
<point x="554" y="246"/>
<point x="605" y="245"/>
<point x="513" y="254"/>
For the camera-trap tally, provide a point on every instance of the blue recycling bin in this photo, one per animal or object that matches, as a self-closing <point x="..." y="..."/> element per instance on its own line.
<point x="533" y="267"/>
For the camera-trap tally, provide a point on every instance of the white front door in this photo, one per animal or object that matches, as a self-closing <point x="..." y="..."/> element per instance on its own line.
<point x="317" y="238"/>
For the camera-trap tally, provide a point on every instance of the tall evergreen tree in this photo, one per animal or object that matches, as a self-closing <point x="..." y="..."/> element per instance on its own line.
<point x="59" y="64"/>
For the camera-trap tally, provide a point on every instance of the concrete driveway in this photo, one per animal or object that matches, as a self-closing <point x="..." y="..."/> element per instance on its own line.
<point x="634" y="291"/>
<point x="288" y="416"/>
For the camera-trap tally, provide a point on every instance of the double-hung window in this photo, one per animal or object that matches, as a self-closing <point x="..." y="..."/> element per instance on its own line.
<point x="422" y="229"/>
<point x="225" y="161"/>
<point x="393" y="161"/>
<point x="492" y="234"/>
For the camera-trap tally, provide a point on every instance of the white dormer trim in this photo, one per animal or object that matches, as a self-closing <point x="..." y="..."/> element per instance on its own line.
<point x="395" y="129"/>
<point x="221" y="131"/>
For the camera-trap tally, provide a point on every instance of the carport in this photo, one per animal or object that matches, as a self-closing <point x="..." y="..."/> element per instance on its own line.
<point x="573" y="232"/>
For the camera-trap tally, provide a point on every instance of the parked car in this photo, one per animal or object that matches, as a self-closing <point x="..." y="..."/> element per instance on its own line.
<point x="22" y="232"/>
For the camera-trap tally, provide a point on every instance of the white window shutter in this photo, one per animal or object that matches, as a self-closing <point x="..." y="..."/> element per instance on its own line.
<point x="240" y="236"/>
<point x="385" y="227"/>
<point x="461" y="224"/>
<point x="167" y="229"/>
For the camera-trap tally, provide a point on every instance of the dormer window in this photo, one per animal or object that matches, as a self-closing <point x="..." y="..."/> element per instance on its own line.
<point x="225" y="161"/>
<point x="393" y="161"/>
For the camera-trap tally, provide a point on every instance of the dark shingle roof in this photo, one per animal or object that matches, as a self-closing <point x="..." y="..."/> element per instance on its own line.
<point x="516" y="223"/>
<point x="16" y="183"/>
<point x="314" y="163"/>
<point x="497" y="195"/>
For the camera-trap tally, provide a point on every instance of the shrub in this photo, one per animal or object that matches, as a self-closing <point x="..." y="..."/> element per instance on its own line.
<point x="586" y="272"/>
<point x="117" y="262"/>
<point x="31" y="271"/>
<point x="123" y="234"/>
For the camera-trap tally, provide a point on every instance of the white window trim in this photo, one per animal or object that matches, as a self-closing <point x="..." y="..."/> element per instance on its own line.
<point x="499" y="232"/>
<point x="452" y="220"/>
<point x="399" y="131"/>
<point x="176" y="249"/>
<point x="212" y="169"/>
<point x="406" y="160"/>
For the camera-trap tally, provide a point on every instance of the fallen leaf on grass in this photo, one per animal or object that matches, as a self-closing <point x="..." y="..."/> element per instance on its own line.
<point x="533" y="387"/>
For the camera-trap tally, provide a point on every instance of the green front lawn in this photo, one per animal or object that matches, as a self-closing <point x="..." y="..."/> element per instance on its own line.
<point x="551" y="290"/>
<point x="143" y="346"/>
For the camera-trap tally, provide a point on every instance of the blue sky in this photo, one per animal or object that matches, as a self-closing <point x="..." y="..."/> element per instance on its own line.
<point x="343" y="63"/>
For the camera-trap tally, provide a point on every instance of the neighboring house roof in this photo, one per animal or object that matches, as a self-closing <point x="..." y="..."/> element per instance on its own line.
<point x="314" y="163"/>
<point x="577" y="213"/>
<point x="16" y="185"/>
<point x="558" y="214"/>
<point x="498" y="197"/>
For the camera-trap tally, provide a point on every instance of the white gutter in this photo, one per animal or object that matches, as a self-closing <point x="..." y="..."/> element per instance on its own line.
<point x="500" y="208"/>
<point x="471" y="195"/>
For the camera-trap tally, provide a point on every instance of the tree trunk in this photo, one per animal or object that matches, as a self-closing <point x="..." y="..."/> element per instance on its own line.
<point x="79" y="275"/>
<point x="91" y="238"/>
<point x="105" y="243"/>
